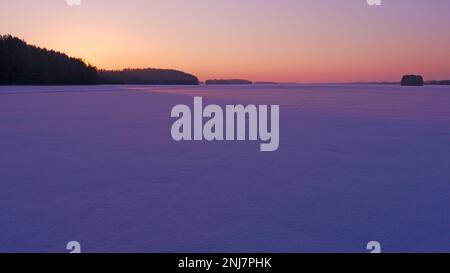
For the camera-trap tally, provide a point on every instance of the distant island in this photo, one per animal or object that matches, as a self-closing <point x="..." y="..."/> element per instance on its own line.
<point x="269" y="83"/>
<point x="408" y="80"/>
<point x="412" y="80"/>
<point x="228" y="81"/>
<point x="373" y="83"/>
<point x="24" y="64"/>
<point x="417" y="80"/>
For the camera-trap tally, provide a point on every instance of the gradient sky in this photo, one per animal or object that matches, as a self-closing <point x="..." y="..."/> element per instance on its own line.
<point x="279" y="40"/>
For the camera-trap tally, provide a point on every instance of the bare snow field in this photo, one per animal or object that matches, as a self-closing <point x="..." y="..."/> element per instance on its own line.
<point x="97" y="164"/>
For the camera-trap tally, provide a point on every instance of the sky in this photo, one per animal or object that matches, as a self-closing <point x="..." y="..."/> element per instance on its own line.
<point x="260" y="40"/>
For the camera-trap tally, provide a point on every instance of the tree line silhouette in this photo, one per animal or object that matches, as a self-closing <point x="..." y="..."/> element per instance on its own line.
<point x="23" y="64"/>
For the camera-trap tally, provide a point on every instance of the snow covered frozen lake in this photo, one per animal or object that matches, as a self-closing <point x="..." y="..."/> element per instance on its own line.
<point x="97" y="164"/>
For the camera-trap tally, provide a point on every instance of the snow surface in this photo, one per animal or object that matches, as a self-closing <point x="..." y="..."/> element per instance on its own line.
<point x="96" y="164"/>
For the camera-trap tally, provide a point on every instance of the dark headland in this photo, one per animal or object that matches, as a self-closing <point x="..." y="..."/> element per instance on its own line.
<point x="24" y="64"/>
<point x="147" y="76"/>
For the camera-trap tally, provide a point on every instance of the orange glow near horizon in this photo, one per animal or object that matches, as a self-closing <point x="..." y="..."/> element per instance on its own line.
<point x="259" y="40"/>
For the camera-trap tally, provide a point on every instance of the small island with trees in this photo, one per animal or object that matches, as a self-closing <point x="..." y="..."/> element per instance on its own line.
<point x="417" y="80"/>
<point x="412" y="80"/>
